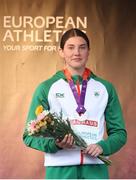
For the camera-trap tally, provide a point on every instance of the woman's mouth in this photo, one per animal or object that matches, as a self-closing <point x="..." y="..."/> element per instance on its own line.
<point x="76" y="59"/>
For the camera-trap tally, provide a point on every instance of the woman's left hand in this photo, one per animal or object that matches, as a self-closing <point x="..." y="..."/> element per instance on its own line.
<point x="93" y="150"/>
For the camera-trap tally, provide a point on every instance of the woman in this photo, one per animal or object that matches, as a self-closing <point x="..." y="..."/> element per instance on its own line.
<point x="88" y="102"/>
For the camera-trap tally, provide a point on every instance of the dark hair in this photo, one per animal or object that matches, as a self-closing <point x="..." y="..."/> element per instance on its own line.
<point x="73" y="33"/>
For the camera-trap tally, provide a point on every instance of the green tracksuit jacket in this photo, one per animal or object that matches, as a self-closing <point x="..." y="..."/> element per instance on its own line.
<point x="102" y="105"/>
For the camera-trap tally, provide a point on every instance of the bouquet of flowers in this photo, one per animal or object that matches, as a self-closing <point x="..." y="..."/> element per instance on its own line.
<point x="53" y="126"/>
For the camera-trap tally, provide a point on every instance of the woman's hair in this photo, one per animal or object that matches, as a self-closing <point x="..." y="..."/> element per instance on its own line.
<point x="73" y="33"/>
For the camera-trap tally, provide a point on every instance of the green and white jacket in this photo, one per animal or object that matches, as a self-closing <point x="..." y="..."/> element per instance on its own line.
<point x="102" y="107"/>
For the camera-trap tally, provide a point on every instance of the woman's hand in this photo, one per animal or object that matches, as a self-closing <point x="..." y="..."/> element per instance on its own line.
<point x="67" y="142"/>
<point x="93" y="150"/>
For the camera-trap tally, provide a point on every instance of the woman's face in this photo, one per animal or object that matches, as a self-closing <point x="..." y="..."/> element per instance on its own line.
<point x="75" y="52"/>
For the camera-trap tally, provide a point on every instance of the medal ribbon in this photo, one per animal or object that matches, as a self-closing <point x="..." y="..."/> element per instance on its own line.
<point x="79" y="98"/>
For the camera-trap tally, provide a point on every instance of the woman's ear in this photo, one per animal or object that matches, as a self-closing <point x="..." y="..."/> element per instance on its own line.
<point x="61" y="52"/>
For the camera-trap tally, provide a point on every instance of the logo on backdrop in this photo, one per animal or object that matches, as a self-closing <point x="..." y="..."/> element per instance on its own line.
<point x="27" y="33"/>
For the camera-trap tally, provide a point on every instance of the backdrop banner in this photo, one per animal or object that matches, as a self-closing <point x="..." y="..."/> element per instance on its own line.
<point x="30" y="33"/>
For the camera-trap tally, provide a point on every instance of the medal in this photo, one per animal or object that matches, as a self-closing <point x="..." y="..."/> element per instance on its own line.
<point x="80" y="99"/>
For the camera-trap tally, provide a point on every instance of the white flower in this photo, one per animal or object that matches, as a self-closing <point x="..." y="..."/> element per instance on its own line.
<point x="45" y="112"/>
<point x="42" y="115"/>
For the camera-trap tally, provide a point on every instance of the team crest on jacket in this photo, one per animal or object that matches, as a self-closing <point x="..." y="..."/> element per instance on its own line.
<point x="96" y="94"/>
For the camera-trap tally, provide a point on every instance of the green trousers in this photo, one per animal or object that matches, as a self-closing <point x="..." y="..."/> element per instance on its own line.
<point x="77" y="172"/>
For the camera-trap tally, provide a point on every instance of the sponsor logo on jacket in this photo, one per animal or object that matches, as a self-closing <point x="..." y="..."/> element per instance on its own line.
<point x="59" y="95"/>
<point x="85" y="122"/>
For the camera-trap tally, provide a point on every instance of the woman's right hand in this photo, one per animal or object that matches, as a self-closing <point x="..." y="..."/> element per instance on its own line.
<point x="67" y="142"/>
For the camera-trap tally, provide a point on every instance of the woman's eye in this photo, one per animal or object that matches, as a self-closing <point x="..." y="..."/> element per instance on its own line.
<point x="83" y="47"/>
<point x="70" y="47"/>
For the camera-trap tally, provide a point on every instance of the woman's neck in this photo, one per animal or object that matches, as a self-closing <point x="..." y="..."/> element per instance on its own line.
<point x="78" y="71"/>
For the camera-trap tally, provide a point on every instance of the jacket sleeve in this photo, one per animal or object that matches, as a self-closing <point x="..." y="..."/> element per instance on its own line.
<point x="115" y="126"/>
<point x="39" y="143"/>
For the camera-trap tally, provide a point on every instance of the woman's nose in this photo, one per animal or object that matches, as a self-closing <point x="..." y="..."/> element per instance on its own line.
<point x="76" y="51"/>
